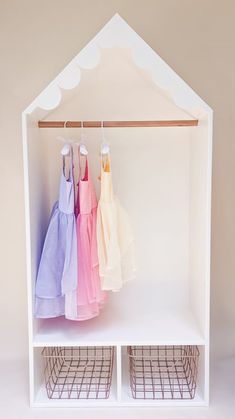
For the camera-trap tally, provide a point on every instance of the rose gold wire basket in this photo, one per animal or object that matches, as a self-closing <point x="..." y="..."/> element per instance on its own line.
<point x="78" y="372"/>
<point x="163" y="372"/>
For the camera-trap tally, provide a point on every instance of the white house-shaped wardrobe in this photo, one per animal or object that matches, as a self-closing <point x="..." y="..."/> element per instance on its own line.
<point x="162" y="176"/>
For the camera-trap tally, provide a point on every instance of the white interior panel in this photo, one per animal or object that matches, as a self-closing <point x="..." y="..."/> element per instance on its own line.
<point x="160" y="177"/>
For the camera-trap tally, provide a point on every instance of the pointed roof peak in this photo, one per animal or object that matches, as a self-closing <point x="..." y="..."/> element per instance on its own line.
<point x="117" y="32"/>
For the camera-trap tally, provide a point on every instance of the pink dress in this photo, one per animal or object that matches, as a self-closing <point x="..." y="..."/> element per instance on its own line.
<point x="90" y="297"/>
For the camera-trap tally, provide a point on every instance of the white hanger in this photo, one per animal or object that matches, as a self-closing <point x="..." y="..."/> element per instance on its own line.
<point x="82" y="147"/>
<point x="67" y="146"/>
<point x="65" y="150"/>
<point x="104" y="145"/>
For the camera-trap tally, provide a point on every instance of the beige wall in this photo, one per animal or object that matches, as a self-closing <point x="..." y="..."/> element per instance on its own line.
<point x="37" y="39"/>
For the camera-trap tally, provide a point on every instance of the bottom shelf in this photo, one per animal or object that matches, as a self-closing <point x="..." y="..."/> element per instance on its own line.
<point x="119" y="376"/>
<point x="160" y="322"/>
<point x="41" y="400"/>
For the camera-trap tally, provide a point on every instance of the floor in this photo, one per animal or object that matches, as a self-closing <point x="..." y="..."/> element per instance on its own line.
<point x="14" y="398"/>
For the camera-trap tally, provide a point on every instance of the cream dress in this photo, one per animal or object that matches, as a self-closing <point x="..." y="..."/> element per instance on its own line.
<point x="115" y="240"/>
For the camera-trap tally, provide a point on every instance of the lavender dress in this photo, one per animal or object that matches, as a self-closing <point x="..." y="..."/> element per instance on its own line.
<point x="57" y="272"/>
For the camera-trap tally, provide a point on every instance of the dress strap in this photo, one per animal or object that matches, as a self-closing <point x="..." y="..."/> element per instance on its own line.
<point x="106" y="179"/>
<point x="67" y="193"/>
<point x="86" y="172"/>
<point x="105" y="163"/>
<point x="71" y="164"/>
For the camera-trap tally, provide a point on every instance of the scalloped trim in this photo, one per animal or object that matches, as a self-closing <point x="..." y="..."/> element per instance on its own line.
<point x="118" y="33"/>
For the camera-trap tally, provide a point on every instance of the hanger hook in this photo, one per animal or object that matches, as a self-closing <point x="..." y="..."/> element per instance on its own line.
<point x="67" y="147"/>
<point x="82" y="148"/>
<point x="67" y="140"/>
<point x="82" y="131"/>
<point x="102" y="131"/>
<point x="65" y="126"/>
<point x="104" y="145"/>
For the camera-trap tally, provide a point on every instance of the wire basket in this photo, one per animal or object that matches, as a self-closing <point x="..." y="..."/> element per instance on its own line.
<point x="78" y="372"/>
<point x="163" y="372"/>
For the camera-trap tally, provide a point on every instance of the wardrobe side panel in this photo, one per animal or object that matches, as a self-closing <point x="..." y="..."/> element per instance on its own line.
<point x="199" y="216"/>
<point x="39" y="379"/>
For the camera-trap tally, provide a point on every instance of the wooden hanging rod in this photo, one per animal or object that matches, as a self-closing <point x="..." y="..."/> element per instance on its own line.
<point x="119" y="124"/>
